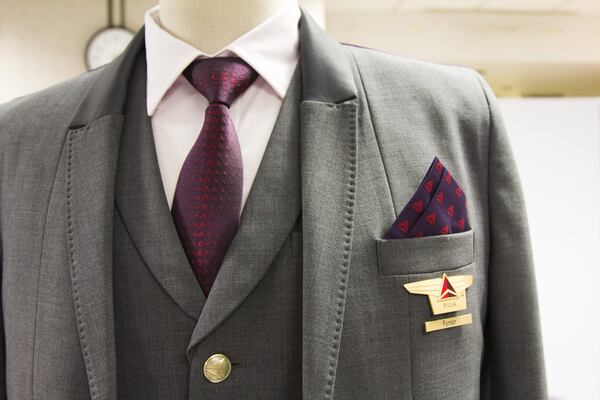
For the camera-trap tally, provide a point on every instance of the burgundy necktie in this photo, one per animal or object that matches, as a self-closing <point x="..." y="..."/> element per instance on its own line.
<point x="208" y="197"/>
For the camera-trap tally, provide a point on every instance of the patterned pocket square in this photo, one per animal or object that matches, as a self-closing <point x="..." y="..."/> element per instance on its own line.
<point x="438" y="207"/>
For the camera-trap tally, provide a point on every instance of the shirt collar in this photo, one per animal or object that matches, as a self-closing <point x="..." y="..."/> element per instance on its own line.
<point x="271" y="48"/>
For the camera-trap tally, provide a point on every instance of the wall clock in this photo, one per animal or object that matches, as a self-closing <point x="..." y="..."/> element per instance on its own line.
<point x="106" y="45"/>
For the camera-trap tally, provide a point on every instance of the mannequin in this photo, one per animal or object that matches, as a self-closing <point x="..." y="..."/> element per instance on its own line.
<point x="209" y="25"/>
<point x="311" y="302"/>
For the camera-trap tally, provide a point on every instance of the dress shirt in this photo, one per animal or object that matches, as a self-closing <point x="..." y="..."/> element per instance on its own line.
<point x="177" y="109"/>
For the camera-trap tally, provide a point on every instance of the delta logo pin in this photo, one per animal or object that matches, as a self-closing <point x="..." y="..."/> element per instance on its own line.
<point x="446" y="294"/>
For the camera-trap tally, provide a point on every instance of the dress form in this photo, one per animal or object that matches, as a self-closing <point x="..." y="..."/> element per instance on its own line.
<point x="209" y="25"/>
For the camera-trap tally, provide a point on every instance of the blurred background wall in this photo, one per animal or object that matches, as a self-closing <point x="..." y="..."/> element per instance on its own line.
<point x="541" y="57"/>
<point x="522" y="47"/>
<point x="556" y="142"/>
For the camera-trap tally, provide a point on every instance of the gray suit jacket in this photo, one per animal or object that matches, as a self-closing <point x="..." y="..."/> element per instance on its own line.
<point x="371" y="123"/>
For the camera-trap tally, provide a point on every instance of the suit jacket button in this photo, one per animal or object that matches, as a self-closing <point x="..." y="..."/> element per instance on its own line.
<point x="217" y="368"/>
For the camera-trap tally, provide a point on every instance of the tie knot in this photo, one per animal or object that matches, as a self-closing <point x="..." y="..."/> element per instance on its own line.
<point x="220" y="79"/>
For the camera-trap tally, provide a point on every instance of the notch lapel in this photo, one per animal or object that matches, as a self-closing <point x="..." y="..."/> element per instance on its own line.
<point x="328" y="117"/>
<point x="91" y="159"/>
<point x="93" y="140"/>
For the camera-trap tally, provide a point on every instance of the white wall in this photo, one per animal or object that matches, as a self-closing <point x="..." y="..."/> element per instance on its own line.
<point x="557" y="146"/>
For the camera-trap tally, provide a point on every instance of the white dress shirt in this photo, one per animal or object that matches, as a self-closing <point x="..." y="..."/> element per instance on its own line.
<point x="177" y="109"/>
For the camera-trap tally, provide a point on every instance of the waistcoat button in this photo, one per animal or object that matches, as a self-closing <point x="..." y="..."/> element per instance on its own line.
<point x="217" y="368"/>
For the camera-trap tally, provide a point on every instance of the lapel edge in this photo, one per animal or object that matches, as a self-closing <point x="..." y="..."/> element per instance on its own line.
<point x="330" y="104"/>
<point x="326" y="263"/>
<point x="89" y="246"/>
<point x="97" y="122"/>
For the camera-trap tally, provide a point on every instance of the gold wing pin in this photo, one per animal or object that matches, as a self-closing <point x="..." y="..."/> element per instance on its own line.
<point x="446" y="294"/>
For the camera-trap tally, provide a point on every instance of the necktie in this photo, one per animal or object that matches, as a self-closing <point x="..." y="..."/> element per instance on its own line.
<point x="208" y="196"/>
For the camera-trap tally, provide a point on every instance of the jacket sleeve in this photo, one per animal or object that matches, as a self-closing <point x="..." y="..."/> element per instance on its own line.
<point x="514" y="361"/>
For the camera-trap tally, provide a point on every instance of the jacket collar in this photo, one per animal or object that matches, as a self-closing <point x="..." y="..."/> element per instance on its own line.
<point x="327" y="75"/>
<point x="328" y="130"/>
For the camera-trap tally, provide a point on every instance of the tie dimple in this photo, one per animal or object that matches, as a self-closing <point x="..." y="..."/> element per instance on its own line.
<point x="220" y="79"/>
<point x="208" y="196"/>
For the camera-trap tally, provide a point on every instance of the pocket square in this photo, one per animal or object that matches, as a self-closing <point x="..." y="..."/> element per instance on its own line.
<point x="438" y="207"/>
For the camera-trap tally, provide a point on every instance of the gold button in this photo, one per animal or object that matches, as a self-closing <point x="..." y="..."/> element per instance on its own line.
<point x="217" y="368"/>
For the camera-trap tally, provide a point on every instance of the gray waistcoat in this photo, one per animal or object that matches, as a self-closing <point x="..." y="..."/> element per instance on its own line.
<point x="165" y="327"/>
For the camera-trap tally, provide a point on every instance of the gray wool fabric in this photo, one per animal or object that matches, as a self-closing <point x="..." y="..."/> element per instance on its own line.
<point x="99" y="301"/>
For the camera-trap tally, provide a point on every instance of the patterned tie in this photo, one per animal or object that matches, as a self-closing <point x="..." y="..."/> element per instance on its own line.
<point x="208" y="197"/>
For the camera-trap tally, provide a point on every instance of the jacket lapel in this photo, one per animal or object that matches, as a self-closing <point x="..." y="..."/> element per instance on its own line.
<point x="91" y="158"/>
<point x="92" y="147"/>
<point x="328" y="118"/>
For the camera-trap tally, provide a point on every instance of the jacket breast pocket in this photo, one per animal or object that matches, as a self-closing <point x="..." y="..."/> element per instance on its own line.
<point x="425" y="254"/>
<point x="445" y="363"/>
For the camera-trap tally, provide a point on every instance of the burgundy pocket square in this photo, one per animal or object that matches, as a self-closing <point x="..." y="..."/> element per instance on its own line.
<point x="438" y="207"/>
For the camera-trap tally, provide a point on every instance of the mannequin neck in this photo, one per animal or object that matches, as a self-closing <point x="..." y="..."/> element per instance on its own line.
<point x="209" y="25"/>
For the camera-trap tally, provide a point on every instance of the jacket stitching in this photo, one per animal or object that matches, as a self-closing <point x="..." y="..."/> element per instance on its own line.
<point x="73" y="268"/>
<point x="350" y="201"/>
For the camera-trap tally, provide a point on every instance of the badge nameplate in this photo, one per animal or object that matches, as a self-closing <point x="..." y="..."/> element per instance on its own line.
<point x="446" y="323"/>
